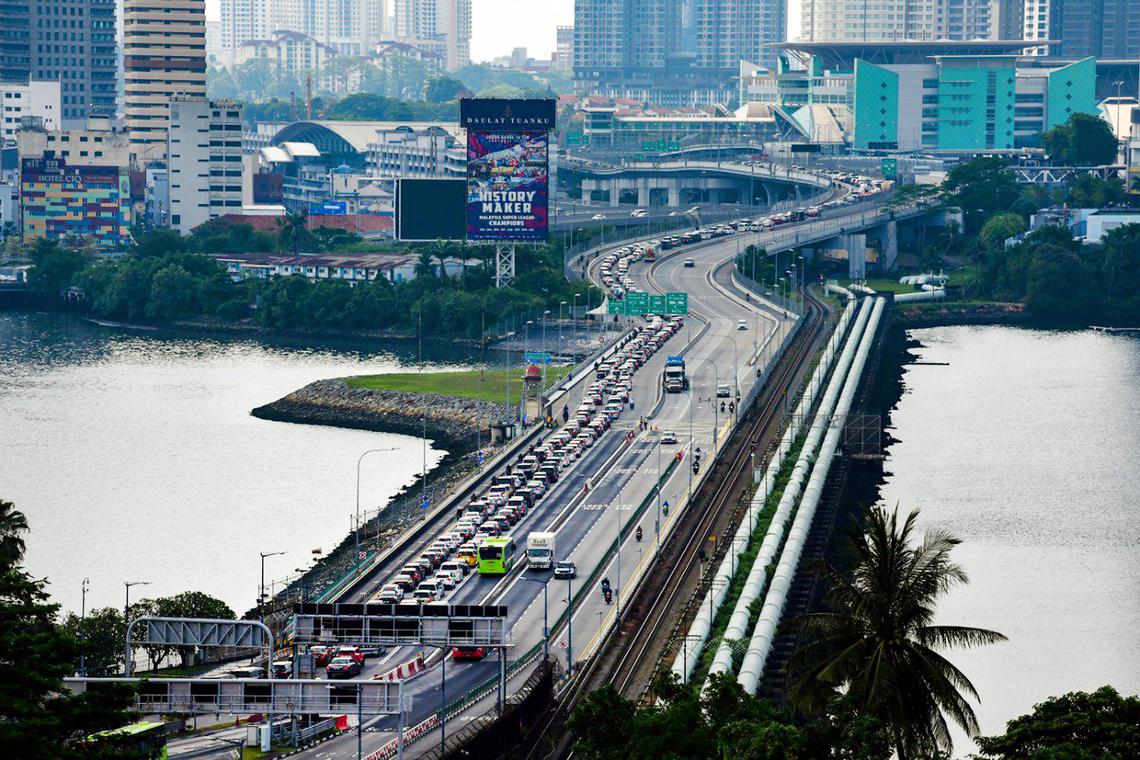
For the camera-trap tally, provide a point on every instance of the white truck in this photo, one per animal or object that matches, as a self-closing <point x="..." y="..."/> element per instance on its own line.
<point x="540" y="550"/>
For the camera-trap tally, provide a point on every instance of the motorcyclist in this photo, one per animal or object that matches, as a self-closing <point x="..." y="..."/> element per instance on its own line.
<point x="637" y="535"/>
<point x="722" y="406"/>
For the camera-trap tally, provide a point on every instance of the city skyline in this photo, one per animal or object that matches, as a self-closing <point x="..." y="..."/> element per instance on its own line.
<point x="534" y="32"/>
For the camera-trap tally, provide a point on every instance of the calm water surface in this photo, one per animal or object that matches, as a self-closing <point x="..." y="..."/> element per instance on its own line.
<point x="135" y="458"/>
<point x="1025" y="447"/>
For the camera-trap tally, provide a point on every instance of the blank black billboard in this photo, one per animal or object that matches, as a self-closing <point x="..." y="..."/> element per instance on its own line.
<point x="431" y="209"/>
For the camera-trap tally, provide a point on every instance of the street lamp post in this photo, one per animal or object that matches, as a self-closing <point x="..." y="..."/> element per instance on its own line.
<point x="570" y="626"/>
<point x="127" y="617"/>
<point x="572" y="311"/>
<point x="560" y="320"/>
<point x="82" y="627"/>
<point x="261" y="592"/>
<point x="356" y="532"/>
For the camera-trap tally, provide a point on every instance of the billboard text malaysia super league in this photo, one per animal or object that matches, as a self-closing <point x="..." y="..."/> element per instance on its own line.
<point x="507" y="167"/>
<point x="507" y="189"/>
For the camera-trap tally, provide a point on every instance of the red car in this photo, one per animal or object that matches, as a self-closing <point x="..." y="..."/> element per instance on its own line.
<point x="468" y="653"/>
<point x="321" y="655"/>
<point x="354" y="652"/>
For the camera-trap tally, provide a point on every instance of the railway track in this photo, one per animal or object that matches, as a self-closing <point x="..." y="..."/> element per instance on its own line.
<point x="654" y="611"/>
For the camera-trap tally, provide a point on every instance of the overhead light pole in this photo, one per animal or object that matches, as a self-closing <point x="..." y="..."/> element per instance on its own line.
<point x="261" y="592"/>
<point x="356" y="531"/>
<point x="127" y="615"/>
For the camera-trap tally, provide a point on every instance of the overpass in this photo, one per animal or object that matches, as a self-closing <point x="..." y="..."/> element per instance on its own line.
<point x="674" y="183"/>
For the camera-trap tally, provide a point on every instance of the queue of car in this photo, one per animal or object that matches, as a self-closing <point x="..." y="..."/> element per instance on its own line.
<point x="509" y="496"/>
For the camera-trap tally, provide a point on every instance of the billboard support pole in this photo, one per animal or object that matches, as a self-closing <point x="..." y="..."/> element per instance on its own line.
<point x="504" y="265"/>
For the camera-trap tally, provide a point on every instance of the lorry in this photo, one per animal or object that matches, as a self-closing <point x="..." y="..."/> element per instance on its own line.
<point x="540" y="550"/>
<point x="674" y="379"/>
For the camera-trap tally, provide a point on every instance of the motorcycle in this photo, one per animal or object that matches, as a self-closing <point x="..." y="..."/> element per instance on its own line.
<point x="722" y="407"/>
<point x="608" y="594"/>
<point x="637" y="535"/>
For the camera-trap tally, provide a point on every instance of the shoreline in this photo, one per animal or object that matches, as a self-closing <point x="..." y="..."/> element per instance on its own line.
<point x="453" y="424"/>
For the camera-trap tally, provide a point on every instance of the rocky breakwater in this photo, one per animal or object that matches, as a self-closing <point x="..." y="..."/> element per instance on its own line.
<point x="452" y="423"/>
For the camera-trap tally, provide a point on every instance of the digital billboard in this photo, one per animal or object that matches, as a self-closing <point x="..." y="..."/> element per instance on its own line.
<point x="430" y="209"/>
<point x="508" y="166"/>
<point x="507" y="185"/>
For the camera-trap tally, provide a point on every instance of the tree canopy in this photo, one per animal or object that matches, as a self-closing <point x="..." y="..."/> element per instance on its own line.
<point x="39" y="718"/>
<point x="1101" y="725"/>
<point x="720" y="722"/>
<point x="1083" y="140"/>
<point x="980" y="187"/>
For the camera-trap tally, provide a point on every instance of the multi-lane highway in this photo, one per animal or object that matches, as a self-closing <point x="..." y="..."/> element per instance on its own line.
<point x="604" y="497"/>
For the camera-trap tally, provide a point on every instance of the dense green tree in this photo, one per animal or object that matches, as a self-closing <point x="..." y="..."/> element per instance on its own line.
<point x="981" y="187"/>
<point x="1090" y="191"/>
<point x="998" y="229"/>
<point x="442" y="89"/>
<point x="602" y="724"/>
<point x="55" y="267"/>
<point x="39" y="718"/>
<point x="1060" y="285"/>
<point x="174" y="294"/>
<point x="878" y="642"/>
<point x="1102" y="725"/>
<point x="1084" y="140"/>
<point x="100" y="635"/>
<point x="158" y="243"/>
<point x="1121" y="267"/>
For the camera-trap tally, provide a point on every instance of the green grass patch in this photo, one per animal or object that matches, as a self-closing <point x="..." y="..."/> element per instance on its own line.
<point x="884" y="285"/>
<point x="484" y="385"/>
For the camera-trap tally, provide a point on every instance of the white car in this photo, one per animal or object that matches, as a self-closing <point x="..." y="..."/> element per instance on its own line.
<point x="598" y="217"/>
<point x="742" y="324"/>
<point x="668" y="437"/>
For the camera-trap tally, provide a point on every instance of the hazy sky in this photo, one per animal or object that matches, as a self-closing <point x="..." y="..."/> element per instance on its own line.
<point x="500" y="25"/>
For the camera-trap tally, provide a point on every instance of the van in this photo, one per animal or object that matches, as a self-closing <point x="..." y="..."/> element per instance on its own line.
<point x="455" y="569"/>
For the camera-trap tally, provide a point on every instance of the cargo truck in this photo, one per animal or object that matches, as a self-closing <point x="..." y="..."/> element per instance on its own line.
<point x="540" y="550"/>
<point x="674" y="379"/>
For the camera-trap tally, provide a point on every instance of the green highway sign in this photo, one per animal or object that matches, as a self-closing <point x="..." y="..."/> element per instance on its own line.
<point x="636" y="302"/>
<point x="657" y="304"/>
<point x="649" y="145"/>
<point x="573" y="138"/>
<point x="673" y="146"/>
<point x="615" y="307"/>
<point x="890" y="168"/>
<point x="676" y="303"/>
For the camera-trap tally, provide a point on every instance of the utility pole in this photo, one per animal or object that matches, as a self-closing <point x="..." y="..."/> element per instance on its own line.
<point x="261" y="590"/>
<point x="82" y="627"/>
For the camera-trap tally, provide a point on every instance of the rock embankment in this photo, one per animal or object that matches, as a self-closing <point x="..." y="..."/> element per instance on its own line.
<point x="453" y="423"/>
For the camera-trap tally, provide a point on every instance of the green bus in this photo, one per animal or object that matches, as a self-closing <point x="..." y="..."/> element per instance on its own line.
<point x="145" y="738"/>
<point x="496" y="555"/>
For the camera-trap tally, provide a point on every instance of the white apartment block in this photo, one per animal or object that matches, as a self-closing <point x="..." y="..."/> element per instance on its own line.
<point x="442" y="27"/>
<point x="351" y="27"/>
<point x="885" y="20"/>
<point x="37" y="99"/>
<point x="204" y="162"/>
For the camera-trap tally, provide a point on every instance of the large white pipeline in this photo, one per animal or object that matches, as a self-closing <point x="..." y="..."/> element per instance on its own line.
<point x="924" y="295"/>
<point x="838" y="289"/>
<point x="763" y="634"/>
<point x="859" y="287"/>
<point x="689" y="654"/>
<point x="737" y="628"/>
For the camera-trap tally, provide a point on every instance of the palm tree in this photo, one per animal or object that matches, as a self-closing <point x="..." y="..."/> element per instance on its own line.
<point x="878" y="642"/>
<point x="292" y="232"/>
<point x="12" y="525"/>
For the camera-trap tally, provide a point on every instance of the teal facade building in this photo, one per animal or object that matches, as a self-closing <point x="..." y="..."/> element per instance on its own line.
<point x="965" y="103"/>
